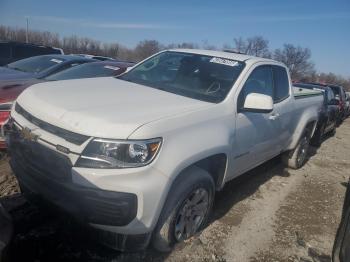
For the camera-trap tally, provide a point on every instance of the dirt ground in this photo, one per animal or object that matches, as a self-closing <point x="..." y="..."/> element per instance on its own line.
<point x="269" y="214"/>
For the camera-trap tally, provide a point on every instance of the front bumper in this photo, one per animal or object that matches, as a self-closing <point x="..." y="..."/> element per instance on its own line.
<point x="122" y="204"/>
<point x="47" y="173"/>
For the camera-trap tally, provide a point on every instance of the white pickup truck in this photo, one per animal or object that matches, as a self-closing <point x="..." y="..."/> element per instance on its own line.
<point x="140" y="157"/>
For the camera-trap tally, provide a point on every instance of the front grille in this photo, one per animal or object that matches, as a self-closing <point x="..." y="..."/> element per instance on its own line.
<point x="69" y="136"/>
<point x="39" y="160"/>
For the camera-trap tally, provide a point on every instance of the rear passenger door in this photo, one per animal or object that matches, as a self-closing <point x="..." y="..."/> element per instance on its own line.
<point x="257" y="133"/>
<point x="283" y="105"/>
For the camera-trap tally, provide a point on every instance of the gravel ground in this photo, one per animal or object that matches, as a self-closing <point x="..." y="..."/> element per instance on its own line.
<point x="269" y="214"/>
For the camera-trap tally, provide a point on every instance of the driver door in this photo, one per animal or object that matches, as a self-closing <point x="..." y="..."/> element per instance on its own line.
<point x="257" y="133"/>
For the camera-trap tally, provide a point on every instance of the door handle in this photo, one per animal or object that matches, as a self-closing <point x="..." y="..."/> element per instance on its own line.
<point x="274" y="116"/>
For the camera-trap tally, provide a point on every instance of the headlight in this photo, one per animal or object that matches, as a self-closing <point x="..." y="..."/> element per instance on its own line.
<point x="103" y="153"/>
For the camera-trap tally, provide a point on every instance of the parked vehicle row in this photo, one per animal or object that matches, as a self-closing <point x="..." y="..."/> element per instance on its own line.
<point x="335" y="108"/>
<point x="329" y="113"/>
<point x="140" y="157"/>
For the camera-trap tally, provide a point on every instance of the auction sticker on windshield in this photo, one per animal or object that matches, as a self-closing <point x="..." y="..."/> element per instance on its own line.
<point x="56" y="60"/>
<point x="112" y="67"/>
<point x="223" y="61"/>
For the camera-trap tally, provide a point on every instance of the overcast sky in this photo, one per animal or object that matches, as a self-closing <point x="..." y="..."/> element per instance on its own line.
<point x="323" y="25"/>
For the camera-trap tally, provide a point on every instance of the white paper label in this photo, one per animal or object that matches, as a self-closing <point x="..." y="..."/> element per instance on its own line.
<point x="112" y="67"/>
<point x="223" y="61"/>
<point x="56" y="60"/>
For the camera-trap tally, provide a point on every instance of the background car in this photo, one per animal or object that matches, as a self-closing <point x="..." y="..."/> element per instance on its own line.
<point x="13" y="51"/>
<point x="17" y="76"/>
<point x="347" y="104"/>
<point x="340" y="95"/>
<point x="10" y="90"/>
<point x="40" y="66"/>
<point x="88" y="70"/>
<point x="329" y="112"/>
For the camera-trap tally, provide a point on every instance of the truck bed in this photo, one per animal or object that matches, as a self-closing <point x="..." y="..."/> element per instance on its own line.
<point x="304" y="92"/>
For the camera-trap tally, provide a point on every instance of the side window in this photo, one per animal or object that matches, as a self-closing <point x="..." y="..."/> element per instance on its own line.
<point x="281" y="84"/>
<point x="22" y="52"/>
<point x="260" y="81"/>
<point x="330" y="95"/>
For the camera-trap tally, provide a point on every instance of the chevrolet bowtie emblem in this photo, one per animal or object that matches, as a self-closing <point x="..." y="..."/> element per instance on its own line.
<point x="27" y="134"/>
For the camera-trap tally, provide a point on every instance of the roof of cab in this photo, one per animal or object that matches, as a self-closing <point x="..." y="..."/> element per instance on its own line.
<point x="225" y="54"/>
<point x="70" y="57"/>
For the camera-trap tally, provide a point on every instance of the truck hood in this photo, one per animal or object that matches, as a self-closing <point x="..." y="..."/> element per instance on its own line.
<point x="102" y="107"/>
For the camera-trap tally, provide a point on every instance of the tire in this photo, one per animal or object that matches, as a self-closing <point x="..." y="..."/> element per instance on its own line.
<point x="333" y="131"/>
<point x="296" y="158"/>
<point x="194" y="182"/>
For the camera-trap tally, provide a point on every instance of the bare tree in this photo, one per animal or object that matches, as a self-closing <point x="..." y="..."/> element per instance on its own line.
<point x="297" y="59"/>
<point x="255" y="46"/>
<point x="240" y="45"/>
<point x="258" y="46"/>
<point x="146" y="48"/>
<point x="182" y="45"/>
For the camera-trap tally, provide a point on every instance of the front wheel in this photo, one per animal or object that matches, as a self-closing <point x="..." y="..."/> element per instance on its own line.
<point x="296" y="158"/>
<point x="186" y="209"/>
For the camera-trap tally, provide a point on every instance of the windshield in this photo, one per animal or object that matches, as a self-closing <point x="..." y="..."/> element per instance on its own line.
<point x="36" y="64"/>
<point x="201" y="77"/>
<point x="86" y="71"/>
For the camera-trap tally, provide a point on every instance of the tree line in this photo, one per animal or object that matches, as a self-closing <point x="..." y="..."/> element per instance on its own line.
<point x="298" y="59"/>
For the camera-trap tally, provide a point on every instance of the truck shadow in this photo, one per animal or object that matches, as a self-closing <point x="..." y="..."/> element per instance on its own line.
<point x="245" y="186"/>
<point x="41" y="235"/>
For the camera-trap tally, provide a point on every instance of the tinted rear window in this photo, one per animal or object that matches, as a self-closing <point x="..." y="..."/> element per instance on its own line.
<point x="86" y="71"/>
<point x="5" y="51"/>
<point x="281" y="83"/>
<point x="36" y="64"/>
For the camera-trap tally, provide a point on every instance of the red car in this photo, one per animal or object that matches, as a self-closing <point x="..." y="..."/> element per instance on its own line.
<point x="11" y="89"/>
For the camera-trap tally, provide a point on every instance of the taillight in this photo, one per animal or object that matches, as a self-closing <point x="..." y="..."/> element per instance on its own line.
<point x="4" y="115"/>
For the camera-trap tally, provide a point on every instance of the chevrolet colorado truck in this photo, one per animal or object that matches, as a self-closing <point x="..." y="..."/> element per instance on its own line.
<point x="140" y="157"/>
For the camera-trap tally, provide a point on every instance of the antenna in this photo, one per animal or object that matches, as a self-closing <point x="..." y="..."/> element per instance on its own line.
<point x="27" y="40"/>
<point x="232" y="50"/>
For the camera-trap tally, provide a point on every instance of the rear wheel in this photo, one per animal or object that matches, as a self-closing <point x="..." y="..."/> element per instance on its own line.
<point x="186" y="210"/>
<point x="296" y="158"/>
<point x="333" y="131"/>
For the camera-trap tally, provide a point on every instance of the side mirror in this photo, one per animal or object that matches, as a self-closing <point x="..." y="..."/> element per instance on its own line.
<point x="333" y="102"/>
<point x="258" y="103"/>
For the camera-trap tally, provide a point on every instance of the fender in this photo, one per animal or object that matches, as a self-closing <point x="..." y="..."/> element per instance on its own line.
<point x="299" y="130"/>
